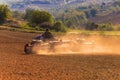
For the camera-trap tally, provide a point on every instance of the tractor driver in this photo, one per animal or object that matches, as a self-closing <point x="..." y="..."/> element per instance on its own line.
<point x="47" y="34"/>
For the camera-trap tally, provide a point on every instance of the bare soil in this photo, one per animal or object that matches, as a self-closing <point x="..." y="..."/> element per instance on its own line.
<point x="102" y="64"/>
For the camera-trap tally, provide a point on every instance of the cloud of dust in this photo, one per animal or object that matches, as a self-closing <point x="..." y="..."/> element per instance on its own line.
<point x="76" y="44"/>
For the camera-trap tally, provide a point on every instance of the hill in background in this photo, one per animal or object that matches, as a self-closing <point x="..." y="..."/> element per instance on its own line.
<point x="73" y="13"/>
<point x="50" y="4"/>
<point x="113" y="18"/>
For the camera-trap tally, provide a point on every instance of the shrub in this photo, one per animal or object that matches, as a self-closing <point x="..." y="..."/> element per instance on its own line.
<point x="59" y="27"/>
<point x="105" y="27"/>
<point x="4" y="13"/>
<point x="99" y="27"/>
<point x="39" y="17"/>
<point x="91" y="26"/>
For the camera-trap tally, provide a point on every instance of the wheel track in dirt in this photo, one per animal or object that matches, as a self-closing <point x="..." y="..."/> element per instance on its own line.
<point x="14" y="65"/>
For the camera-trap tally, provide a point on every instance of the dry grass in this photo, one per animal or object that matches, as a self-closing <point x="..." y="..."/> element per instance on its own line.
<point x="14" y="65"/>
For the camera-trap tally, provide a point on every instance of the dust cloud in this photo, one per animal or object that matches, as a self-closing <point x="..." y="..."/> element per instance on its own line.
<point x="77" y="44"/>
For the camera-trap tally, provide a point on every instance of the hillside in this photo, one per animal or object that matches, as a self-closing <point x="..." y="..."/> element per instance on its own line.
<point x="40" y="4"/>
<point x="93" y="10"/>
<point x="110" y="18"/>
<point x="50" y="4"/>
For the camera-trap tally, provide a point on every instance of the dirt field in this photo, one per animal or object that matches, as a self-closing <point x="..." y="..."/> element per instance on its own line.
<point x="103" y="63"/>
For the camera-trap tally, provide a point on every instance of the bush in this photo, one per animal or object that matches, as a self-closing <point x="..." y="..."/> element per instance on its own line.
<point x="59" y="27"/>
<point x="105" y="27"/>
<point x="91" y="26"/>
<point x="39" y="17"/>
<point x="99" y="27"/>
<point x="4" y="13"/>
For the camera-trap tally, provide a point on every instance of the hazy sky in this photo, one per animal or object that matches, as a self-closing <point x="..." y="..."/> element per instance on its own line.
<point x="2" y="1"/>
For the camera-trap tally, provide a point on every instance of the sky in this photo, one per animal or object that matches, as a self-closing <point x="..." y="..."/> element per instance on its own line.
<point x="2" y="1"/>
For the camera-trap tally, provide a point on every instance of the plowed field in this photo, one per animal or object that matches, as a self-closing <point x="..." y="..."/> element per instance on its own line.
<point x="101" y="64"/>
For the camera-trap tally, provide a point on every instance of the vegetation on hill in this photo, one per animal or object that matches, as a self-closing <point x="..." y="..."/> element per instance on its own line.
<point x="39" y="17"/>
<point x="89" y="17"/>
<point x="4" y="13"/>
<point x="72" y="18"/>
<point x="31" y="19"/>
<point x="102" y="16"/>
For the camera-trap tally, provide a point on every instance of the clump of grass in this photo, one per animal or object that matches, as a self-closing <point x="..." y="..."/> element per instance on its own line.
<point x="85" y="33"/>
<point x="102" y="33"/>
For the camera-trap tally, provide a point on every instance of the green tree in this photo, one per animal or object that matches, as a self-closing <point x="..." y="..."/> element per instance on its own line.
<point x="4" y="13"/>
<point x="73" y="18"/>
<point x="28" y="13"/>
<point x="87" y="13"/>
<point x="93" y="12"/>
<point x="38" y="17"/>
<point x="59" y="27"/>
<point x="91" y="26"/>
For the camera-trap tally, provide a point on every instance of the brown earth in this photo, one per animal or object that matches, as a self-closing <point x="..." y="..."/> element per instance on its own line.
<point x="15" y="65"/>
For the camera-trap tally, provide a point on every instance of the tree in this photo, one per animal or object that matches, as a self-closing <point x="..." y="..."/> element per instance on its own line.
<point x="73" y="18"/>
<point x="28" y="13"/>
<point x="91" y="26"/>
<point x="59" y="27"/>
<point x="38" y="17"/>
<point x="93" y="12"/>
<point x="4" y="13"/>
<point x="87" y="13"/>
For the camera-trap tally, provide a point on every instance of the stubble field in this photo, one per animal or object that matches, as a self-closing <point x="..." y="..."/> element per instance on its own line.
<point x="102" y="63"/>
